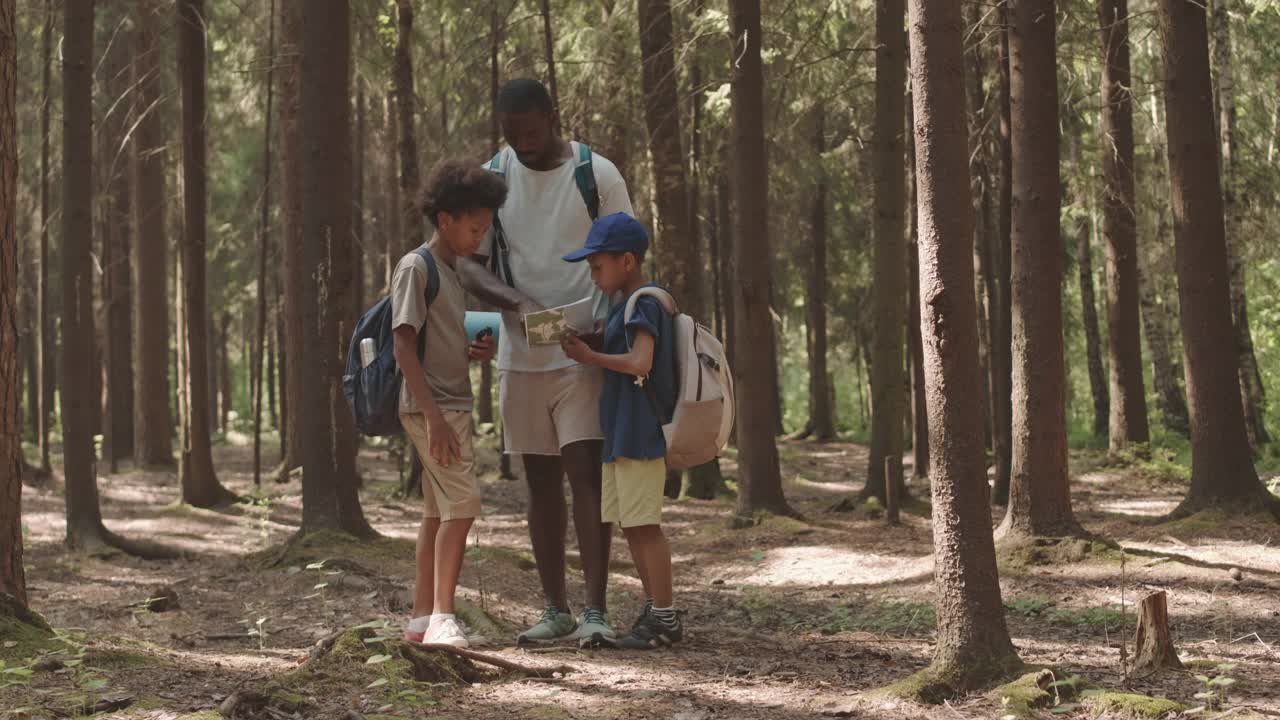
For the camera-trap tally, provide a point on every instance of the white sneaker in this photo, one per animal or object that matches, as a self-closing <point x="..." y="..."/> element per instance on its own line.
<point x="446" y="632"/>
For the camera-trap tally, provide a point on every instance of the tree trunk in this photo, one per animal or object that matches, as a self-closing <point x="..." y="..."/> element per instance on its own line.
<point x="200" y="486"/>
<point x="358" y="228"/>
<point x="393" y="215"/>
<point x="118" y="426"/>
<point x="549" y="52"/>
<point x="1039" y="495"/>
<point x="12" y="577"/>
<point x="1003" y="440"/>
<point x="152" y="423"/>
<point x="1252" y="395"/>
<point x="1089" y="318"/>
<point x="1153" y="648"/>
<point x="225" y="388"/>
<point x="983" y="224"/>
<point x="402" y="81"/>
<point x="1222" y="471"/>
<point x="889" y="284"/>
<point x="919" y="406"/>
<point x="48" y="346"/>
<point x="291" y="268"/>
<point x="329" y="492"/>
<point x="973" y="643"/>
<point x="821" y="414"/>
<point x="759" y="476"/>
<point x="1127" y="422"/>
<point x="84" y="518"/>
<point x="264" y="240"/>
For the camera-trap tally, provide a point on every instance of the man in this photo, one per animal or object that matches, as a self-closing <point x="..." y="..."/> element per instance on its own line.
<point x="549" y="403"/>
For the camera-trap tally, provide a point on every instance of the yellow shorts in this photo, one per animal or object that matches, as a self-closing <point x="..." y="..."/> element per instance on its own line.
<point x="631" y="492"/>
<point x="449" y="493"/>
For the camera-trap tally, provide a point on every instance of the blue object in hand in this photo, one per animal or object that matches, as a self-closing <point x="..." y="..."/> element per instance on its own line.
<point x="487" y="323"/>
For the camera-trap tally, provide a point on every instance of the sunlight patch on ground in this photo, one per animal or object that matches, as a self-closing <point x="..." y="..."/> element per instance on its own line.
<point x="1139" y="507"/>
<point x="821" y="565"/>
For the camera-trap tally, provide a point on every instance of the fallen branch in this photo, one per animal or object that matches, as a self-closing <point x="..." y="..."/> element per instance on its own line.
<point x="497" y="661"/>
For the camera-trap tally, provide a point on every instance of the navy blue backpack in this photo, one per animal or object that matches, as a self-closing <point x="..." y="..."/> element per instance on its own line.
<point x="373" y="391"/>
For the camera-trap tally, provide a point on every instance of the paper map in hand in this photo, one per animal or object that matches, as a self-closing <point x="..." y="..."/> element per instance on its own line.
<point x="548" y="326"/>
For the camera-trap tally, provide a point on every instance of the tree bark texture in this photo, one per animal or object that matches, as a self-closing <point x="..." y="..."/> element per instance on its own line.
<point x="406" y="110"/>
<point x="678" y="259"/>
<point x="1152" y="644"/>
<point x="12" y="576"/>
<point x="821" y="414"/>
<point x="984" y="224"/>
<point x="200" y="486"/>
<point x="117" y="276"/>
<point x="759" y="475"/>
<point x="1252" y="395"/>
<point x="973" y="642"/>
<point x="1039" y="496"/>
<point x="48" y="347"/>
<point x="919" y="404"/>
<point x="153" y="423"/>
<point x="264" y="240"/>
<point x="1098" y="388"/>
<point x="291" y="268"/>
<point x="1127" y="421"/>
<point x="1003" y="256"/>
<point x="888" y="378"/>
<point x="549" y="53"/>
<point x="1222" y="471"/>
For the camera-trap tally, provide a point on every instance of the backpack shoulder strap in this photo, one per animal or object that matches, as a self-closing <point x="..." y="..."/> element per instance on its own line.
<point x="433" y="273"/>
<point x="584" y="175"/>
<point x="663" y="297"/>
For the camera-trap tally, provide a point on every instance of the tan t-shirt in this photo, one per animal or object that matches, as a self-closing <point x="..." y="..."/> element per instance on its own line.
<point x="445" y="361"/>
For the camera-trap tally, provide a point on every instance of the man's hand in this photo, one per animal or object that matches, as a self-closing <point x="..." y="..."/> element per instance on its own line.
<point x="445" y="446"/>
<point x="482" y="350"/>
<point x="525" y="307"/>
<point x="575" y="348"/>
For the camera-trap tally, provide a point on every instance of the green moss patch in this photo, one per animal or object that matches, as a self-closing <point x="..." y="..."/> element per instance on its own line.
<point x="1019" y="553"/>
<point x="498" y="555"/>
<point x="24" y="635"/>
<point x="1129" y="705"/>
<point x="387" y="556"/>
<point x="933" y="685"/>
<point x="1044" y="689"/>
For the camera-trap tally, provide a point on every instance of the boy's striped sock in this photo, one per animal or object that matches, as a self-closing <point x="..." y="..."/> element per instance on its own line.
<point x="667" y="615"/>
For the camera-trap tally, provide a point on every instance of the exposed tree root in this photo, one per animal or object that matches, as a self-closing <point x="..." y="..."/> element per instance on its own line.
<point x="937" y="683"/>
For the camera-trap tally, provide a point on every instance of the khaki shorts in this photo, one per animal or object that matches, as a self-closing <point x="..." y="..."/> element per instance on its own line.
<point x="545" y="411"/>
<point x="449" y="493"/>
<point x="631" y="492"/>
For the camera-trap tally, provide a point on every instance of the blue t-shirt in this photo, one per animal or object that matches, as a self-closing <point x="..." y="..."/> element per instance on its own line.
<point x="632" y="416"/>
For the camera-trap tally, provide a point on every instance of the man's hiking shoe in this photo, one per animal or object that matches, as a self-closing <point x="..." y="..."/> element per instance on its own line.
<point x="594" y="629"/>
<point x="553" y="625"/>
<point x="652" y="632"/>
<point x="446" y="632"/>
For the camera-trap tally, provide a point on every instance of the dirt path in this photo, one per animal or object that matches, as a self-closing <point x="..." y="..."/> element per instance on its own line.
<point x="788" y="619"/>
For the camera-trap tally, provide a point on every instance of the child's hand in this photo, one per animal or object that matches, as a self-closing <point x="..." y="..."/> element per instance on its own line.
<point x="575" y="348"/>
<point x="482" y="350"/>
<point x="445" y="447"/>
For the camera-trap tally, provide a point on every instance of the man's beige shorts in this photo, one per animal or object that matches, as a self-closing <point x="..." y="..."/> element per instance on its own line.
<point x="449" y="493"/>
<point x="631" y="492"/>
<point x="545" y="411"/>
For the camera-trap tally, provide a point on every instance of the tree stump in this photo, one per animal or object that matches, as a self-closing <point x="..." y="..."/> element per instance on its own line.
<point x="1153" y="647"/>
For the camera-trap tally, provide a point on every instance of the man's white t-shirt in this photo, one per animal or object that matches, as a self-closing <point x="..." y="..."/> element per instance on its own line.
<point x="545" y="218"/>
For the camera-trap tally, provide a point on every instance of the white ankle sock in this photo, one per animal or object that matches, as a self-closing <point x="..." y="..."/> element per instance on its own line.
<point x="440" y="617"/>
<point x="420" y="624"/>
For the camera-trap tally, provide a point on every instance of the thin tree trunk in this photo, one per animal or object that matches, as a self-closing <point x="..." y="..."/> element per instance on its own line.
<point x="821" y="415"/>
<point x="359" y="231"/>
<point x="291" y="268"/>
<point x="183" y="384"/>
<point x="985" y="284"/>
<point x="264" y="240"/>
<point x="200" y="486"/>
<point x="889" y="284"/>
<point x="271" y="373"/>
<point x="395" y="218"/>
<point x="330" y="497"/>
<point x="48" y="347"/>
<point x="919" y="404"/>
<point x="118" y="426"/>
<point x="12" y="576"/>
<point x="1222" y="472"/>
<point x="402" y="76"/>
<point x="973" y="643"/>
<point x="153" y="425"/>
<point x="1003" y="440"/>
<point x="760" y="479"/>
<point x="1252" y="395"/>
<point x="226" y="389"/>
<point x="1092" y="333"/>
<point x="1127" y="422"/>
<point x="549" y="53"/>
<point x="1039" y="494"/>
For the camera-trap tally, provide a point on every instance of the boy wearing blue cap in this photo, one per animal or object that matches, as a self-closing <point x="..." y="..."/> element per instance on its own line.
<point x="639" y="396"/>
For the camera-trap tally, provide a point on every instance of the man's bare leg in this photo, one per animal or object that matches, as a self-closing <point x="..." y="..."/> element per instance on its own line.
<point x="548" y="522"/>
<point x="581" y="461"/>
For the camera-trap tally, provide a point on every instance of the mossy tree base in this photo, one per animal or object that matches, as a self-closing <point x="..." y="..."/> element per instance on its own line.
<point x="938" y="683"/>
<point x="1020" y="551"/>
<point x="1129" y="705"/>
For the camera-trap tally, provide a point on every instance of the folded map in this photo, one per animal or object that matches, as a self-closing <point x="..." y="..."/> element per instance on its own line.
<point x="547" y="327"/>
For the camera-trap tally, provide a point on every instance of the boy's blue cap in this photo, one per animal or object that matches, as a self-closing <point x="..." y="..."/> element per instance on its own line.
<point x="617" y="233"/>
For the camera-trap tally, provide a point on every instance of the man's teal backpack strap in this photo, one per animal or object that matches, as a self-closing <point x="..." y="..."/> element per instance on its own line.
<point x="584" y="176"/>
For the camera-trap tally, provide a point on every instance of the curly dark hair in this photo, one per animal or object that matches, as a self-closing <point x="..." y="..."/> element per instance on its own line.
<point x="460" y="185"/>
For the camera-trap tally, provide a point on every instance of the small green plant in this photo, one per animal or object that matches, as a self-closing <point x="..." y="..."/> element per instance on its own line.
<point x="1029" y="607"/>
<point x="1109" y="617"/>
<point x="1214" y="695"/>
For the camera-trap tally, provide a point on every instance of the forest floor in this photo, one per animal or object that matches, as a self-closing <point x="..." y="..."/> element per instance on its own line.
<point x="790" y="618"/>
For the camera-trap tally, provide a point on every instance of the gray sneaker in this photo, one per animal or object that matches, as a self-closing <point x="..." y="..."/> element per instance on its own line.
<point x="594" y="629"/>
<point x="553" y="625"/>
